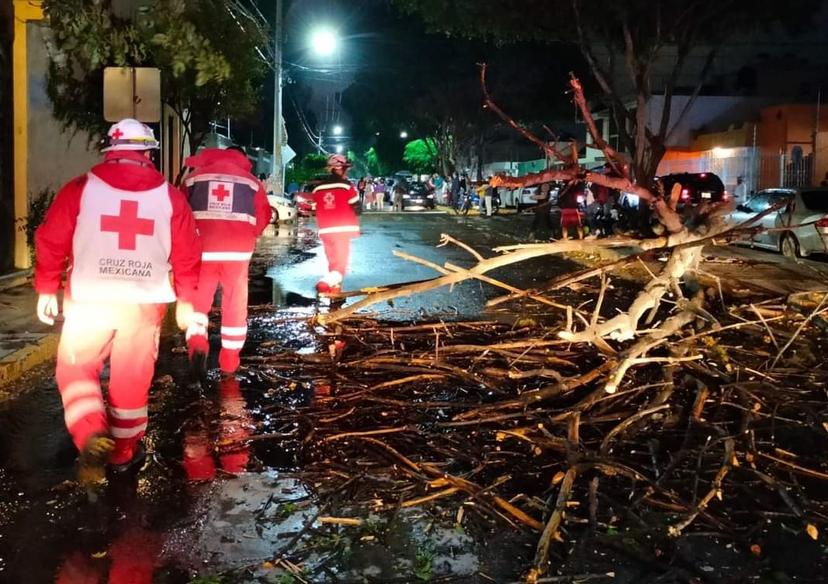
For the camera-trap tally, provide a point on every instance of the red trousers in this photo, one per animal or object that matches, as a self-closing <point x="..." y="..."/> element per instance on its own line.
<point x="232" y="276"/>
<point x="127" y="335"/>
<point x="337" y="249"/>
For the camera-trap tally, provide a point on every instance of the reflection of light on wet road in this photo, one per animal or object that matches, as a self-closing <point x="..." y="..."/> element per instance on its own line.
<point x="373" y="263"/>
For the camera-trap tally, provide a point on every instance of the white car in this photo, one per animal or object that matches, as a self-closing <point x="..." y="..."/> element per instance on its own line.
<point x="526" y="197"/>
<point x="281" y="208"/>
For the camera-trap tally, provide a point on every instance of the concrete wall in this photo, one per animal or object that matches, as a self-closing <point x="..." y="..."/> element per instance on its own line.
<point x="55" y="156"/>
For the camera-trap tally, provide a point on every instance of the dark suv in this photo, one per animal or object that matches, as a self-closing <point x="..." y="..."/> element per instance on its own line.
<point x="696" y="188"/>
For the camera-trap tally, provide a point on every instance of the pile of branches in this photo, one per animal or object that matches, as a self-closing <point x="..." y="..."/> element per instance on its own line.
<point x="713" y="418"/>
<point x="719" y="432"/>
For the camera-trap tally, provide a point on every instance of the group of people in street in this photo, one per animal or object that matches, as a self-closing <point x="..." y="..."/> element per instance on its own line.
<point x="129" y="244"/>
<point x="581" y="205"/>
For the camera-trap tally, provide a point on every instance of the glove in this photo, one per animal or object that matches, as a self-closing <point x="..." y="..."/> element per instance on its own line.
<point x="47" y="308"/>
<point x="183" y="314"/>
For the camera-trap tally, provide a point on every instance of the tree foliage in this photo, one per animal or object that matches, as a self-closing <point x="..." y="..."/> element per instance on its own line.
<point x="422" y="155"/>
<point x="209" y="64"/>
<point x="634" y="49"/>
<point x="307" y="168"/>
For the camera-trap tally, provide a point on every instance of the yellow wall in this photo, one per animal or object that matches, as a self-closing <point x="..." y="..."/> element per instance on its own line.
<point x="24" y="11"/>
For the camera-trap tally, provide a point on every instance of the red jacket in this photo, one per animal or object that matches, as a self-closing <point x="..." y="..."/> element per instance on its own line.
<point x="230" y="204"/>
<point x="53" y="239"/>
<point x="334" y="213"/>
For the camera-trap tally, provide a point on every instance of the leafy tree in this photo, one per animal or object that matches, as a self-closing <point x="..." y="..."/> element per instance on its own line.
<point x="209" y="65"/>
<point x="307" y="168"/>
<point x="422" y="155"/>
<point x="634" y="49"/>
<point x="374" y="166"/>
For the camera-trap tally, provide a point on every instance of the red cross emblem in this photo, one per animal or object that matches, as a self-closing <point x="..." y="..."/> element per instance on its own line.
<point x="220" y="192"/>
<point x="116" y="135"/>
<point x="127" y="225"/>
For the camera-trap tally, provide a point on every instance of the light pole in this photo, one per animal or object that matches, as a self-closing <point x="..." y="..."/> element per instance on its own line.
<point x="277" y="167"/>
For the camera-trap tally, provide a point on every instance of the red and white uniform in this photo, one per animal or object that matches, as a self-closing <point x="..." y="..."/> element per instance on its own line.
<point x="231" y="210"/>
<point x="337" y="224"/>
<point x="128" y="242"/>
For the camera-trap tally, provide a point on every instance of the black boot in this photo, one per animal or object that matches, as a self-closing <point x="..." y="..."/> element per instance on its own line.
<point x="134" y="464"/>
<point x="198" y="366"/>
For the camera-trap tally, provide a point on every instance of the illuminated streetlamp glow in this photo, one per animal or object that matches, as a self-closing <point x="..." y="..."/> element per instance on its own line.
<point x="339" y="148"/>
<point x="323" y="41"/>
<point x="337" y="130"/>
<point x="403" y="134"/>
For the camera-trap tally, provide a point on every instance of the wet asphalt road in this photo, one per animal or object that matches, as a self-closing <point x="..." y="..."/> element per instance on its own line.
<point x="185" y="513"/>
<point x="189" y="511"/>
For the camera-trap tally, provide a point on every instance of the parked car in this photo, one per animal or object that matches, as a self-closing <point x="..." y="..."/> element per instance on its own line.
<point x="696" y="188"/>
<point x="525" y="198"/>
<point x="305" y="203"/>
<point x="281" y="208"/>
<point x="418" y="196"/>
<point x="803" y="206"/>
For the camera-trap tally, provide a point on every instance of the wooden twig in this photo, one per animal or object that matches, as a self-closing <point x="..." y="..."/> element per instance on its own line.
<point x="802" y="325"/>
<point x="551" y="528"/>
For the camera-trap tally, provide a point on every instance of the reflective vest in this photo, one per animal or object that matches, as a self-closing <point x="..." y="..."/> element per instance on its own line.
<point x="224" y="208"/>
<point x="121" y="245"/>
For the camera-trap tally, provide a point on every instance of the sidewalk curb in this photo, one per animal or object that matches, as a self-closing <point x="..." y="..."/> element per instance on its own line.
<point x="15" y="279"/>
<point x="34" y="353"/>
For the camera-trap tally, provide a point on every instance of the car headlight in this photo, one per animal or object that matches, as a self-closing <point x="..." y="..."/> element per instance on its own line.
<point x="430" y="196"/>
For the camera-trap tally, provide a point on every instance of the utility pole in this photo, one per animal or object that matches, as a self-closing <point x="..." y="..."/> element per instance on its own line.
<point x="278" y="167"/>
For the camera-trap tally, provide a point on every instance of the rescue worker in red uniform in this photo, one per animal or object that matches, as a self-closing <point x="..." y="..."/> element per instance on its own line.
<point x="336" y="220"/>
<point x="231" y="210"/>
<point x="120" y="232"/>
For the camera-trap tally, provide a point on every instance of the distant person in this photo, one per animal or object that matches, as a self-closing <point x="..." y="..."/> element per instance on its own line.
<point x="379" y="194"/>
<point x="369" y="198"/>
<point x="128" y="242"/>
<point x="740" y="192"/>
<point x="593" y="211"/>
<point x="337" y="221"/>
<point x="541" y="222"/>
<point x="399" y="191"/>
<point x="488" y="195"/>
<point x="570" y="215"/>
<point x="361" y="188"/>
<point x="454" y="189"/>
<point x="439" y="188"/>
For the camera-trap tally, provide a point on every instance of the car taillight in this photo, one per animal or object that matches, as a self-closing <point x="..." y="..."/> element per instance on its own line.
<point x="725" y="196"/>
<point x="823" y="223"/>
<point x="685" y="194"/>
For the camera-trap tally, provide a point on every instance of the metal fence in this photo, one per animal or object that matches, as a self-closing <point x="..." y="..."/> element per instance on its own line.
<point x="760" y="171"/>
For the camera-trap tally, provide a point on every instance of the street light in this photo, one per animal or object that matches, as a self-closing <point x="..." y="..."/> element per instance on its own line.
<point x="403" y="134"/>
<point x="339" y="148"/>
<point x="337" y="130"/>
<point x="323" y="42"/>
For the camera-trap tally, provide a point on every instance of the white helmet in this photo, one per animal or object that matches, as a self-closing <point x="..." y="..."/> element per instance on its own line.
<point x="129" y="134"/>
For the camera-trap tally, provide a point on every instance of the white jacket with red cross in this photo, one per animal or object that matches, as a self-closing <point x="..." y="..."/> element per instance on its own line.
<point x="120" y="232"/>
<point x="229" y="204"/>
<point x="334" y="213"/>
